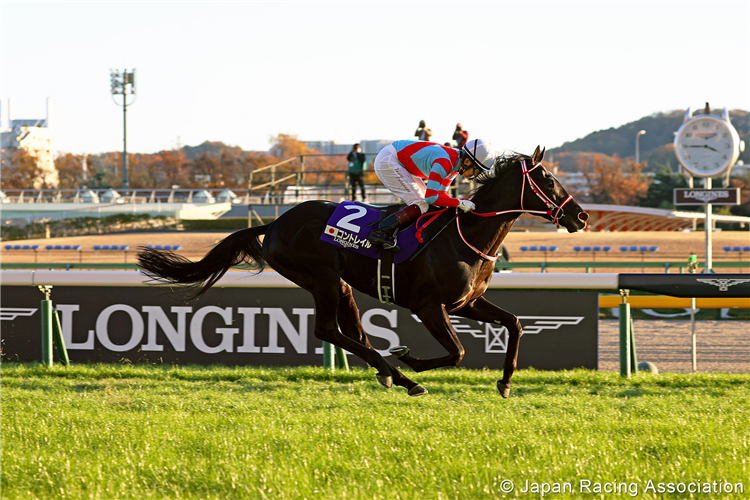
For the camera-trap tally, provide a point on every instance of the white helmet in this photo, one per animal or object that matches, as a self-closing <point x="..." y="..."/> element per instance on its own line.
<point x="481" y="153"/>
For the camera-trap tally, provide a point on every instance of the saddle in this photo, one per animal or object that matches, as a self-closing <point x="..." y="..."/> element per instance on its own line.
<point x="349" y="227"/>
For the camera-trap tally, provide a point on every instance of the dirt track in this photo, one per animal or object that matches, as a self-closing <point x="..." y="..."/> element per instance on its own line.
<point x="722" y="346"/>
<point x="672" y="245"/>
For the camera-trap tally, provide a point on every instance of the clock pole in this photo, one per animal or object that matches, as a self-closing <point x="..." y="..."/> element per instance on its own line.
<point x="709" y="230"/>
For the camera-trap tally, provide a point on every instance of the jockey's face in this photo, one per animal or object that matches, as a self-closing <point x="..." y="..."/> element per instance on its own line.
<point x="469" y="170"/>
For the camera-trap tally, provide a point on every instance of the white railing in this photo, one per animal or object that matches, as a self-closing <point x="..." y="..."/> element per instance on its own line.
<point x="124" y="196"/>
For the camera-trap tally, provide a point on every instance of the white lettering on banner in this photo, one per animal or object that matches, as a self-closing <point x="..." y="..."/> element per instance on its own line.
<point x="196" y="330"/>
<point x="176" y="336"/>
<point x="248" y="329"/>
<point x="707" y="196"/>
<point x="136" y="331"/>
<point x="276" y="318"/>
<point x="380" y="332"/>
<point x="66" y="323"/>
<point x="157" y="319"/>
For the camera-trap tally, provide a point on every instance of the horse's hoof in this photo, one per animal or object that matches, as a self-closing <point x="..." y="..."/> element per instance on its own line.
<point x="385" y="380"/>
<point x="418" y="390"/>
<point x="399" y="351"/>
<point x="503" y="389"/>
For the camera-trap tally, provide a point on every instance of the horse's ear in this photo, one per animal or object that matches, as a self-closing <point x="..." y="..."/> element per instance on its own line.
<point x="537" y="156"/>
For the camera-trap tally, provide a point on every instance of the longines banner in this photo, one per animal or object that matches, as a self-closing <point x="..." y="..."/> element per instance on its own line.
<point x="274" y="326"/>
<point x="722" y="196"/>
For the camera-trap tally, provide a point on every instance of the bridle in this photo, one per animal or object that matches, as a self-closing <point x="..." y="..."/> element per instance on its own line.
<point x="554" y="211"/>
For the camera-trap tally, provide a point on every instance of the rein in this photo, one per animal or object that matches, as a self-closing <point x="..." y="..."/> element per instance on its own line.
<point x="552" y="208"/>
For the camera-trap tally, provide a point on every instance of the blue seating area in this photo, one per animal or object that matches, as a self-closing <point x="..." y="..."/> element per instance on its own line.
<point x="111" y="247"/>
<point x="639" y="249"/>
<point x="737" y="249"/>
<point x="165" y="247"/>
<point x="63" y="247"/>
<point x="22" y="247"/>
<point x="538" y="249"/>
<point x="592" y="249"/>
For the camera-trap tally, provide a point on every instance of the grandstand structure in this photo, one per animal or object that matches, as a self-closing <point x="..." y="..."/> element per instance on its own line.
<point x="33" y="136"/>
<point x="624" y="218"/>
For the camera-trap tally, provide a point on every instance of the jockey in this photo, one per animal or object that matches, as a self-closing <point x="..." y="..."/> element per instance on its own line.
<point x="402" y="165"/>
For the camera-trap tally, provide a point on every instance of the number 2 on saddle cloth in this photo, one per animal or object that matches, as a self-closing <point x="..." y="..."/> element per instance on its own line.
<point x="350" y="225"/>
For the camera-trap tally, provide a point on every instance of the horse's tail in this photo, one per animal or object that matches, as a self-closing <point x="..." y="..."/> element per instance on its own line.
<point x="166" y="266"/>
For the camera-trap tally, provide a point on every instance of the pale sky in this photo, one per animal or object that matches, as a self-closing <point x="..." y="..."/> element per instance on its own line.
<point x="515" y="73"/>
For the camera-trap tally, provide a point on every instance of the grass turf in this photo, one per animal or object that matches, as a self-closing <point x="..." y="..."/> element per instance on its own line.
<point x="121" y="432"/>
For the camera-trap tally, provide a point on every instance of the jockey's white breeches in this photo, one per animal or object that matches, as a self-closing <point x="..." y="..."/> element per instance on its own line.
<point x="398" y="180"/>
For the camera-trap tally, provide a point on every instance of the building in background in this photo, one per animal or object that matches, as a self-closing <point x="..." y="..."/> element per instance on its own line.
<point x="333" y="148"/>
<point x="33" y="136"/>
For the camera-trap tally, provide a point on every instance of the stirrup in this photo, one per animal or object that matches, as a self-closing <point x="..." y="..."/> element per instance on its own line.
<point x="375" y="239"/>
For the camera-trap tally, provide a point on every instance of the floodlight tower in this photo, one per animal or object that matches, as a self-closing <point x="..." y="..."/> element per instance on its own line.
<point x="123" y="83"/>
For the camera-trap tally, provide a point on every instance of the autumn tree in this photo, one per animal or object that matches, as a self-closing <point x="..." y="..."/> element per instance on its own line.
<point x="71" y="170"/>
<point x="208" y="172"/>
<point x="250" y="162"/>
<point x="318" y="169"/>
<point x="104" y="171"/>
<point x="174" y="165"/>
<point x="145" y="172"/>
<point x="230" y="163"/>
<point x="20" y="170"/>
<point x="616" y="184"/>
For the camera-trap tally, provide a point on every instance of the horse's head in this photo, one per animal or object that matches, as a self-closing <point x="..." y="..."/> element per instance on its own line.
<point x="538" y="192"/>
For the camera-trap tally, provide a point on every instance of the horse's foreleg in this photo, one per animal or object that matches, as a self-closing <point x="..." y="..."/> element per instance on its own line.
<point x="349" y="322"/>
<point x="487" y="312"/>
<point x="435" y="319"/>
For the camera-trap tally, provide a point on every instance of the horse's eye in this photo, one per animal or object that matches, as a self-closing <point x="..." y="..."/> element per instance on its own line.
<point x="550" y="182"/>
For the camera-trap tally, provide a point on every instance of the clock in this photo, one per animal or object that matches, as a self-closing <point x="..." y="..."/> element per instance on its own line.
<point x="707" y="145"/>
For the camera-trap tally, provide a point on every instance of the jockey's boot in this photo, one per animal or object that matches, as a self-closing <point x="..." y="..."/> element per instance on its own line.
<point x="385" y="234"/>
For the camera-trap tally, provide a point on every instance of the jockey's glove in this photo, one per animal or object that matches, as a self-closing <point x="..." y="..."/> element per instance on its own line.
<point x="466" y="205"/>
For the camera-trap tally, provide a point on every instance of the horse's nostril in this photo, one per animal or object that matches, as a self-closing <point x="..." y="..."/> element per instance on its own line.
<point x="583" y="217"/>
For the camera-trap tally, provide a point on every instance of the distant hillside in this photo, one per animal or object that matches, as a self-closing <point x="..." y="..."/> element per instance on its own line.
<point x="213" y="149"/>
<point x="655" y="146"/>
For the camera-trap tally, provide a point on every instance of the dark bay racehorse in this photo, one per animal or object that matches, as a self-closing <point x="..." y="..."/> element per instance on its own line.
<point x="448" y="278"/>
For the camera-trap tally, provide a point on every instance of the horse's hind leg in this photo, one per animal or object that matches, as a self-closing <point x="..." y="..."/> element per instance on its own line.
<point x="325" y="290"/>
<point x="435" y="319"/>
<point x="487" y="312"/>
<point x="349" y="322"/>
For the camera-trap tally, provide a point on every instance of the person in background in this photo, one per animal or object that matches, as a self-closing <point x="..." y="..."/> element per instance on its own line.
<point x="460" y="136"/>
<point x="423" y="133"/>
<point x="357" y="166"/>
<point x="404" y="167"/>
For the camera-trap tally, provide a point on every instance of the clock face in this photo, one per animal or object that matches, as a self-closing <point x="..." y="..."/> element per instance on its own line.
<point x="706" y="145"/>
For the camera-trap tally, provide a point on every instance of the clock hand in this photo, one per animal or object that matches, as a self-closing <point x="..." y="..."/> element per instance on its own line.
<point x="703" y="146"/>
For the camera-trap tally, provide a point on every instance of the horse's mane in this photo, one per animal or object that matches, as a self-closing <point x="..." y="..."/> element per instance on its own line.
<point x="502" y="167"/>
